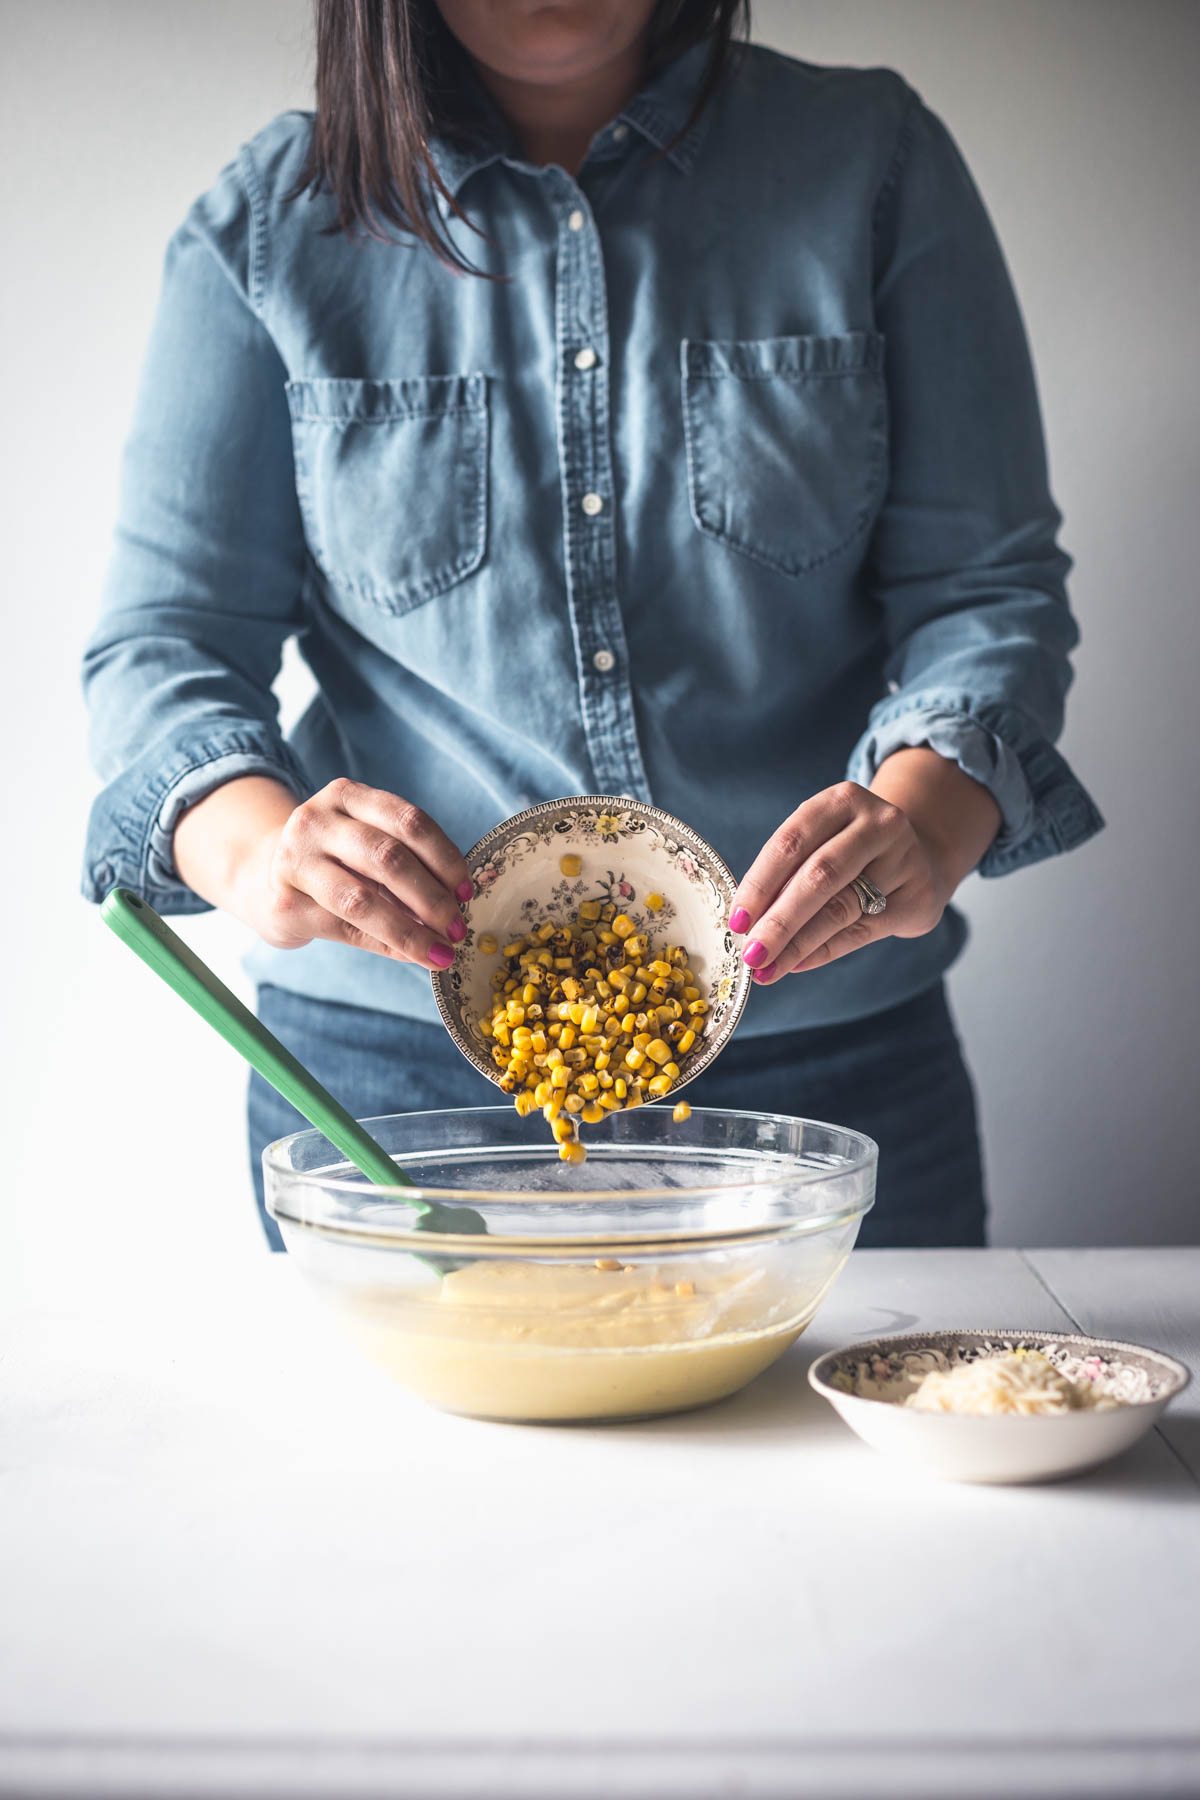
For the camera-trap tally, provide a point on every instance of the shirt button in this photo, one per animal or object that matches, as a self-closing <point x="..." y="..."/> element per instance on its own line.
<point x="592" y="504"/>
<point x="585" y="359"/>
<point x="575" y="220"/>
<point x="603" y="660"/>
<point x="620" y="133"/>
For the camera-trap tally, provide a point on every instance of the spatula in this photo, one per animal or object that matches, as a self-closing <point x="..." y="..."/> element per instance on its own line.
<point x="137" y="924"/>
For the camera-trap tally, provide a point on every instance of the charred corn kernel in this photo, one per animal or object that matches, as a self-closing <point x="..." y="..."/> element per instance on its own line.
<point x="567" y="996"/>
<point x="572" y="1153"/>
<point x="681" y="1112"/>
<point x="488" y="945"/>
<point x="570" y="866"/>
<point x="654" y="902"/>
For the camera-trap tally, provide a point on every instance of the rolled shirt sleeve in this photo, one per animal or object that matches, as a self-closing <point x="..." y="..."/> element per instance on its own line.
<point x="964" y="560"/>
<point x="207" y="574"/>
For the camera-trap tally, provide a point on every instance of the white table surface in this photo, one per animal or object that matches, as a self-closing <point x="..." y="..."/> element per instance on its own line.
<point x="236" y="1561"/>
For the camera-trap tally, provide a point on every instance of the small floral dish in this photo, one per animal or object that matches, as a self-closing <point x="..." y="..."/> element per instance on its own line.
<point x="868" y="1384"/>
<point x="543" y="863"/>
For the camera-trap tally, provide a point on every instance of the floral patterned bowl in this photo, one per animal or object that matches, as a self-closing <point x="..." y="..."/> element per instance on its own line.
<point x="627" y="851"/>
<point x="868" y="1384"/>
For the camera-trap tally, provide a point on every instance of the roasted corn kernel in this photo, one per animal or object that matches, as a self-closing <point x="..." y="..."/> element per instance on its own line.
<point x="589" y="1018"/>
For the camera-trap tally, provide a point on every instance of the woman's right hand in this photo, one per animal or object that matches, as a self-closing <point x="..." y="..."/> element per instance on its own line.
<point x="354" y="864"/>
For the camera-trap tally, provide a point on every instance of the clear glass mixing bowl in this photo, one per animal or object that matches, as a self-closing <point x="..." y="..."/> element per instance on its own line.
<point x="669" y="1269"/>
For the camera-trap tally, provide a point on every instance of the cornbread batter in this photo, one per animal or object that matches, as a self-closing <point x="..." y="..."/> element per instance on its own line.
<point x="601" y="1340"/>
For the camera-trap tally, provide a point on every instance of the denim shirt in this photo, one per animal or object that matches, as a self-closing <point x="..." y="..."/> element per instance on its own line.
<point x="733" y="485"/>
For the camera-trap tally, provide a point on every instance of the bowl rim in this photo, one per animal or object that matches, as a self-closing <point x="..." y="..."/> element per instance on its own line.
<point x="439" y="979"/>
<point x="1176" y="1373"/>
<point x="405" y="1235"/>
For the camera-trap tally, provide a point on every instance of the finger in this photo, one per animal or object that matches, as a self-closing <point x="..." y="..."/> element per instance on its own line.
<point x="866" y="930"/>
<point x="354" y="900"/>
<point x="395" y="868"/>
<point x="820" y="884"/>
<point x="414" y="828"/>
<point x="783" y="853"/>
<point x="838" y="914"/>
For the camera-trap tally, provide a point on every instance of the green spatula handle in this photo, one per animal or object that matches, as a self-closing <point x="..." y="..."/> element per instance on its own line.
<point x="139" y="926"/>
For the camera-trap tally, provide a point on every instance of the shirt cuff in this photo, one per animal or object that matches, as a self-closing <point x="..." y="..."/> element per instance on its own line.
<point x="1044" y="809"/>
<point x="133" y="820"/>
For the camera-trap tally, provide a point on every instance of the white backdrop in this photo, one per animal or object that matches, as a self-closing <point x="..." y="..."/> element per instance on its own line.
<point x="1078" y="995"/>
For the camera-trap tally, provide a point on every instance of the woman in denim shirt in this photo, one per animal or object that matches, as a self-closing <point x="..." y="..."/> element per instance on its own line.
<point x="604" y="408"/>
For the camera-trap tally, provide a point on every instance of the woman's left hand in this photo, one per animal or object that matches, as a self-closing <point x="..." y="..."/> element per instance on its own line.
<point x="796" y="904"/>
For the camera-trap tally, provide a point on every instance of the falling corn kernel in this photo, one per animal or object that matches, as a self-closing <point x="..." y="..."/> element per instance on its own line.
<point x="589" y="1017"/>
<point x="488" y="945"/>
<point x="681" y="1112"/>
<point x="654" y="902"/>
<point x="571" y="866"/>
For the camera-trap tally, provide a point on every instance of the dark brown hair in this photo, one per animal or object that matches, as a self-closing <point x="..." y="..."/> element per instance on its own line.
<point x="391" y="75"/>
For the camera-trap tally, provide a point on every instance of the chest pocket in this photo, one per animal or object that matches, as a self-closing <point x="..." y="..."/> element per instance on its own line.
<point x="392" y="483"/>
<point x="786" y="444"/>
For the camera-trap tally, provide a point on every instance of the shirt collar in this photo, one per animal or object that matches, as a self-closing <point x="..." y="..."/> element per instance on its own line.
<point x="658" y="111"/>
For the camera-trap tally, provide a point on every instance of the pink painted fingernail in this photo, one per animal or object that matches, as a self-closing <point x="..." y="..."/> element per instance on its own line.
<point x="763" y="974"/>
<point x="456" y="931"/>
<point x="442" y="955"/>
<point x="739" y="918"/>
<point x="465" y="891"/>
<point x="754" y="954"/>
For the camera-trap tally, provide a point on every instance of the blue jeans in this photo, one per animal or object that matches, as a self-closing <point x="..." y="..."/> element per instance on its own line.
<point x="897" y="1075"/>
